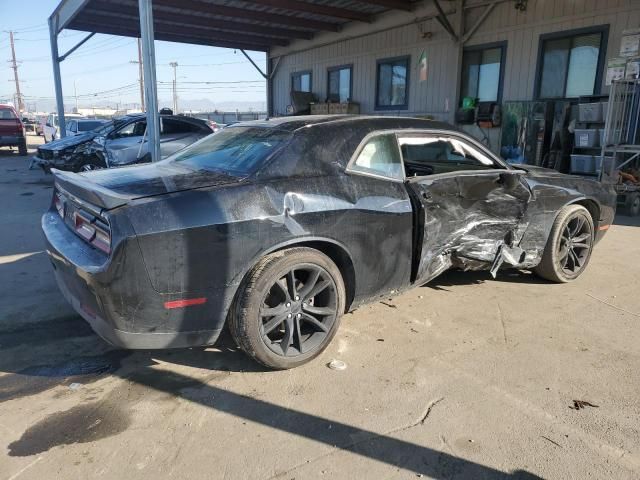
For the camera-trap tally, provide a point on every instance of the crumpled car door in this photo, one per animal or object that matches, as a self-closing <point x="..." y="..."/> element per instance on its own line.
<point x="471" y="220"/>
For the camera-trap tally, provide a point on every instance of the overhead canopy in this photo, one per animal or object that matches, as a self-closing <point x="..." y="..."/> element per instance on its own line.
<point x="247" y="24"/>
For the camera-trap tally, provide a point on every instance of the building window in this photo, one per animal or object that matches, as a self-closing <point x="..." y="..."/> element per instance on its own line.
<point x="339" y="84"/>
<point x="301" y="82"/>
<point x="570" y="64"/>
<point x="392" y="86"/>
<point x="482" y="72"/>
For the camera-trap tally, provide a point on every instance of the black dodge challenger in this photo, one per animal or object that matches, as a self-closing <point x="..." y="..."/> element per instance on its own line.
<point x="278" y="227"/>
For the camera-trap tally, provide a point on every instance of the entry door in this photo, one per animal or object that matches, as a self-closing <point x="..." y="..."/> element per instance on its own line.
<point x="468" y="204"/>
<point x="127" y="144"/>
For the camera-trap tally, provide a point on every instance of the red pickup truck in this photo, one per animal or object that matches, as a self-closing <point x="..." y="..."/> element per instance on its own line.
<point x="12" y="130"/>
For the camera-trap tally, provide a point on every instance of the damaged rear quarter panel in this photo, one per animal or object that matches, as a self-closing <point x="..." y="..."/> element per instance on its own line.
<point x="210" y="237"/>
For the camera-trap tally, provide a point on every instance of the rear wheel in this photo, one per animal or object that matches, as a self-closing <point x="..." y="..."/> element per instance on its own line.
<point x="569" y="246"/>
<point x="22" y="148"/>
<point x="288" y="308"/>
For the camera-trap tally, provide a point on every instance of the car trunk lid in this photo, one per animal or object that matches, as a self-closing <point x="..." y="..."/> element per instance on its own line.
<point x="112" y="188"/>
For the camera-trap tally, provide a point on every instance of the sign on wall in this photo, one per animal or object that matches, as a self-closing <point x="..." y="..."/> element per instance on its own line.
<point x="422" y="66"/>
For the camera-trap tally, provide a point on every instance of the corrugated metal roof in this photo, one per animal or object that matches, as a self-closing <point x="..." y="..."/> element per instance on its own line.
<point x="248" y="24"/>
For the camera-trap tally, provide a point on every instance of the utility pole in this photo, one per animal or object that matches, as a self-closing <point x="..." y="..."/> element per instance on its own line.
<point x="75" y="94"/>
<point x="14" y="65"/>
<point x="140" y="74"/>
<point x="175" y="93"/>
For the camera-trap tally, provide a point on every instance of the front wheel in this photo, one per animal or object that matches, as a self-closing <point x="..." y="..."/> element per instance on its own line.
<point x="288" y="309"/>
<point x="90" y="164"/>
<point x="569" y="246"/>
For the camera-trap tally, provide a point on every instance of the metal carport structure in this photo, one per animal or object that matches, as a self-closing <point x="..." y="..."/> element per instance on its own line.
<point x="245" y="25"/>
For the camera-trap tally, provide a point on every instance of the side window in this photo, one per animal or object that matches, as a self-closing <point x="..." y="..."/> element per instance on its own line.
<point x="170" y="126"/>
<point x="72" y="126"/>
<point x="431" y="155"/>
<point x="135" y="129"/>
<point x="380" y="157"/>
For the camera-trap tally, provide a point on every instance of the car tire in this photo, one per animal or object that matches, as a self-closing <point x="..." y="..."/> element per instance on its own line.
<point x="569" y="245"/>
<point x="632" y="204"/>
<point x="22" y="148"/>
<point x="90" y="164"/>
<point x="282" y="316"/>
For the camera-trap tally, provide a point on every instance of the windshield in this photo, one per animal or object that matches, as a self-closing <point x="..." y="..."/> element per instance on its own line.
<point x="104" y="128"/>
<point x="88" y="126"/>
<point x="237" y="150"/>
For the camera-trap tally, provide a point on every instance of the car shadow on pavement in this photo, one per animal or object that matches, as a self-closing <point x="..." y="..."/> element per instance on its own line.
<point x="458" y="277"/>
<point x="140" y="368"/>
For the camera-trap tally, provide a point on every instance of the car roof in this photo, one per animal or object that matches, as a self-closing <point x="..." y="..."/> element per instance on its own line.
<point x="377" y="122"/>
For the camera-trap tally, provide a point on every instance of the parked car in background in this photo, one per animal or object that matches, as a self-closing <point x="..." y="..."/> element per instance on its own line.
<point x="40" y="122"/>
<point x="30" y="124"/>
<point x="12" y="132"/>
<point x="51" y="128"/>
<point x="121" y="142"/>
<point x="279" y="227"/>
<point x="81" y="125"/>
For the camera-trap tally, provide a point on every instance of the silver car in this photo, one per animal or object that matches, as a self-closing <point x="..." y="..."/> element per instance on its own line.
<point x="129" y="143"/>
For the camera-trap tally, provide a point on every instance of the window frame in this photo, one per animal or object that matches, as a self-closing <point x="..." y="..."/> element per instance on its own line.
<point x="576" y="32"/>
<point x="405" y="105"/>
<point x="337" y="68"/>
<point x="502" y="45"/>
<point x="300" y="73"/>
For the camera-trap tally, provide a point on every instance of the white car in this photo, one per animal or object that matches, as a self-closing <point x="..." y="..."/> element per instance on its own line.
<point x="81" y="125"/>
<point x="51" y="128"/>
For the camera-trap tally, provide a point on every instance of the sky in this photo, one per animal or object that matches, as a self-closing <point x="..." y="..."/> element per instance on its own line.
<point x="100" y="72"/>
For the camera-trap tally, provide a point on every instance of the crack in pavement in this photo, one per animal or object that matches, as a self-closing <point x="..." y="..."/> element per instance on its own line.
<point x="350" y="445"/>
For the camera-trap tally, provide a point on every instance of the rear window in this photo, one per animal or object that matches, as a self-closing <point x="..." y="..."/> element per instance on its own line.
<point x="171" y="126"/>
<point x="88" y="126"/>
<point x="237" y="150"/>
<point x="7" y="114"/>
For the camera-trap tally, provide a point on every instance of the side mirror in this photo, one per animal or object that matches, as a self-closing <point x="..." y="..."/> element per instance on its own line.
<point x="510" y="180"/>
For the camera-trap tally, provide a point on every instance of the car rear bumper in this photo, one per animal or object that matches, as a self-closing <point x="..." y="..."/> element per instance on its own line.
<point x="11" y="140"/>
<point x="117" y="300"/>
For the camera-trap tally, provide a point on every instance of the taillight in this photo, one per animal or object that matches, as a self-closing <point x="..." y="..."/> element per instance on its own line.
<point x="93" y="230"/>
<point x="59" y="204"/>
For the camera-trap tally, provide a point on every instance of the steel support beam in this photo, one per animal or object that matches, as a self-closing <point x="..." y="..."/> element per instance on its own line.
<point x="150" y="86"/>
<point x="444" y="21"/>
<point x="57" y="79"/>
<point x="467" y="36"/>
<point x="77" y="46"/>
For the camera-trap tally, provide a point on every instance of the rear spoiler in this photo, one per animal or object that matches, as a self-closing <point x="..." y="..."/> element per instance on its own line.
<point x="86" y="191"/>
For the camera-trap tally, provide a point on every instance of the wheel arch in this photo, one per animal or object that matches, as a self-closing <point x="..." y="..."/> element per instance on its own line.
<point x="333" y="249"/>
<point x="592" y="206"/>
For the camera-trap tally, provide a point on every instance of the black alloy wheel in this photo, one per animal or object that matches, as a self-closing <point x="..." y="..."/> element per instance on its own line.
<point x="574" y="247"/>
<point x="288" y="308"/>
<point x="569" y="246"/>
<point x="299" y="311"/>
